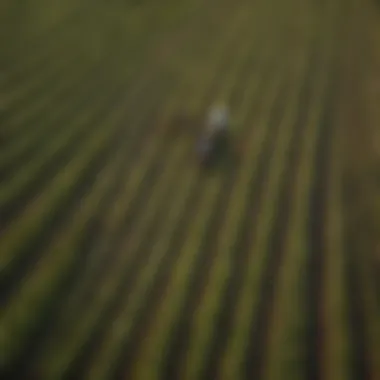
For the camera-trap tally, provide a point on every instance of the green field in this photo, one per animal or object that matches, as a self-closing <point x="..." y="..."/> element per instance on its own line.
<point x="119" y="257"/>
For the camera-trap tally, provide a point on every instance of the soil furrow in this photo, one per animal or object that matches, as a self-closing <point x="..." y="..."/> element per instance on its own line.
<point x="29" y="255"/>
<point x="81" y="188"/>
<point x="149" y="274"/>
<point x="49" y="80"/>
<point x="79" y="362"/>
<point x="141" y="195"/>
<point x="159" y="287"/>
<point x="86" y="90"/>
<point x="180" y="335"/>
<point x="164" y="269"/>
<point x="79" y="367"/>
<point x="360" y="357"/>
<point x="42" y="331"/>
<point x="224" y="318"/>
<point x="258" y="336"/>
<point x="318" y="203"/>
<point x="11" y="209"/>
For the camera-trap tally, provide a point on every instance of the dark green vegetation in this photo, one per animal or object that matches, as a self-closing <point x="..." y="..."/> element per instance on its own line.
<point x="118" y="257"/>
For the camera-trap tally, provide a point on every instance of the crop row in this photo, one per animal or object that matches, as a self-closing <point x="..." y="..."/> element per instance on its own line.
<point x="39" y="209"/>
<point x="28" y="181"/>
<point x="137" y="234"/>
<point x="123" y="260"/>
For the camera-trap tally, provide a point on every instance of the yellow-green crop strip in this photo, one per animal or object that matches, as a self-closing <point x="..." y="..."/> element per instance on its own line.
<point x="30" y="221"/>
<point x="138" y="233"/>
<point x="37" y="276"/>
<point x="20" y="314"/>
<point x="72" y="76"/>
<point x="202" y="328"/>
<point x="124" y="323"/>
<point x="109" y="284"/>
<point x="160" y="248"/>
<point x="111" y="221"/>
<point x="113" y="218"/>
<point x="86" y="323"/>
<point x="63" y="66"/>
<point x="249" y="295"/>
<point x="24" y="90"/>
<point x="114" y="280"/>
<point x="286" y="346"/>
<point x="152" y="349"/>
<point x="82" y="79"/>
<point x="369" y="302"/>
<point x="181" y="275"/>
<point x="66" y="66"/>
<point x="21" y="121"/>
<point x="38" y="100"/>
<point x="39" y="209"/>
<point x="151" y="149"/>
<point x="337" y="352"/>
<point x="60" y="142"/>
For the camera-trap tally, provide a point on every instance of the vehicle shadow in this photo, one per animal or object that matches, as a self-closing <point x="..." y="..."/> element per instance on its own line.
<point x="224" y="159"/>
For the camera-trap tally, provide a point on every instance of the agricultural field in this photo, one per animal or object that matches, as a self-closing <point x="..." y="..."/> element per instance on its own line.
<point x="119" y="257"/>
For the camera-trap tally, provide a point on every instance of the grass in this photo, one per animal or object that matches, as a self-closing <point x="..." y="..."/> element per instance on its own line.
<point x="120" y="258"/>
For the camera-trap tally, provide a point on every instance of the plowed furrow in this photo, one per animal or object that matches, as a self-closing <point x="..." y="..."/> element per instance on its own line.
<point x="121" y="258"/>
<point x="151" y="301"/>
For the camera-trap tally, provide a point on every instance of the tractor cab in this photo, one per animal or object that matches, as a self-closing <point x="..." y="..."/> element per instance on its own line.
<point x="214" y="139"/>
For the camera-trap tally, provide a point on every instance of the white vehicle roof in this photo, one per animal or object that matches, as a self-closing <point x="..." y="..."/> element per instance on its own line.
<point x="218" y="117"/>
